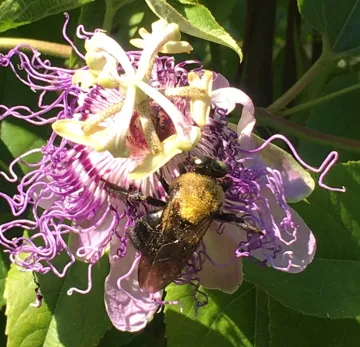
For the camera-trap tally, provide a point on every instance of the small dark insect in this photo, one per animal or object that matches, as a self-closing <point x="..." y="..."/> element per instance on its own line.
<point x="169" y="235"/>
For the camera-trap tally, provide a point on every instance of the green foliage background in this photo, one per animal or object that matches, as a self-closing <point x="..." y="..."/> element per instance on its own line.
<point x="301" y="66"/>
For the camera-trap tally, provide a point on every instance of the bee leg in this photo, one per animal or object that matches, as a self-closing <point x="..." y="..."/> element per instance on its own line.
<point x="182" y="169"/>
<point x="144" y="229"/>
<point x="163" y="182"/>
<point x="139" y="236"/>
<point x="226" y="183"/>
<point x="152" y="201"/>
<point x="134" y="196"/>
<point x="240" y="221"/>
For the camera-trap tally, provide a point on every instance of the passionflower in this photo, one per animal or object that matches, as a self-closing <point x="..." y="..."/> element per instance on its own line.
<point x="121" y="119"/>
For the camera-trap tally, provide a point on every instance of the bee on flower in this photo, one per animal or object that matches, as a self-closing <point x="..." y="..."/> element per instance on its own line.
<point x="129" y="121"/>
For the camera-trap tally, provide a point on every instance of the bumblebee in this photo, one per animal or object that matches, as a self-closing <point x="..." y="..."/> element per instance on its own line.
<point x="168" y="236"/>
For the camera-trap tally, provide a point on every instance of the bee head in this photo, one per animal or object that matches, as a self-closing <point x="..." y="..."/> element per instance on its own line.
<point x="209" y="167"/>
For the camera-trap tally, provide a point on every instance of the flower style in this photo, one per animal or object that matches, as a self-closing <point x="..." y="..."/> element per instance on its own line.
<point x="122" y="118"/>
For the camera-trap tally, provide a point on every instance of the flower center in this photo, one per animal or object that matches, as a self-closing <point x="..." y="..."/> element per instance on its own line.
<point x="108" y="130"/>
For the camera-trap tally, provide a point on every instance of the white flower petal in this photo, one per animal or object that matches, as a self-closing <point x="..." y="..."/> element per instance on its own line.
<point x="96" y="239"/>
<point x="227" y="98"/>
<point x="221" y="248"/>
<point x="297" y="182"/>
<point x="129" y="308"/>
<point x="220" y="82"/>
<point x="298" y="250"/>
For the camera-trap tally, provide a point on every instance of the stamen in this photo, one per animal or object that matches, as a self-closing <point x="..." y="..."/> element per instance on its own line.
<point x="91" y="123"/>
<point x="191" y="92"/>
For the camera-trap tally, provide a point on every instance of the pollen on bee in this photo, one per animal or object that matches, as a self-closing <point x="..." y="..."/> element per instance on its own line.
<point x="201" y="196"/>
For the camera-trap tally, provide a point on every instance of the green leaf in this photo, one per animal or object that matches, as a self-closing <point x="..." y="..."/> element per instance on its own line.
<point x="14" y="13"/>
<point x="338" y="116"/>
<point x="227" y="320"/>
<point x="262" y="334"/>
<point x="152" y="335"/>
<point x="3" y="274"/>
<point x="3" y="337"/>
<point x="62" y="320"/>
<point x="130" y="19"/>
<point x="194" y="19"/>
<point x="19" y="136"/>
<point x="290" y="328"/>
<point x="9" y="189"/>
<point x="334" y="217"/>
<point x="116" y="338"/>
<point x="6" y="157"/>
<point x="222" y="12"/>
<point x="118" y="4"/>
<point x="328" y="287"/>
<point x="337" y="21"/>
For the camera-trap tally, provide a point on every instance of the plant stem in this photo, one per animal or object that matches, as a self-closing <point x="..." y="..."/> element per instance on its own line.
<point x="45" y="47"/>
<point x="109" y="16"/>
<point x="298" y="87"/>
<point x="266" y="118"/>
<point x="315" y="102"/>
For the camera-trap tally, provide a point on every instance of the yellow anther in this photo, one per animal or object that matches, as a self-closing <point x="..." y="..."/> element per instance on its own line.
<point x="183" y="92"/>
<point x="93" y="122"/>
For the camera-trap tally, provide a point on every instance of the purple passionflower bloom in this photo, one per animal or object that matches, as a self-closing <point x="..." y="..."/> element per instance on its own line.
<point x="119" y="120"/>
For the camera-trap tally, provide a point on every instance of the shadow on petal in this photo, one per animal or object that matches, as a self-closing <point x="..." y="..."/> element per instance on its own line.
<point x="129" y="308"/>
<point x="297" y="248"/>
<point x="220" y="81"/>
<point x="93" y="238"/>
<point x="297" y="182"/>
<point x="226" y="274"/>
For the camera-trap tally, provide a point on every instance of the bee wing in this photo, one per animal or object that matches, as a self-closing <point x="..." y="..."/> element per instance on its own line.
<point x="158" y="270"/>
<point x="155" y="273"/>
